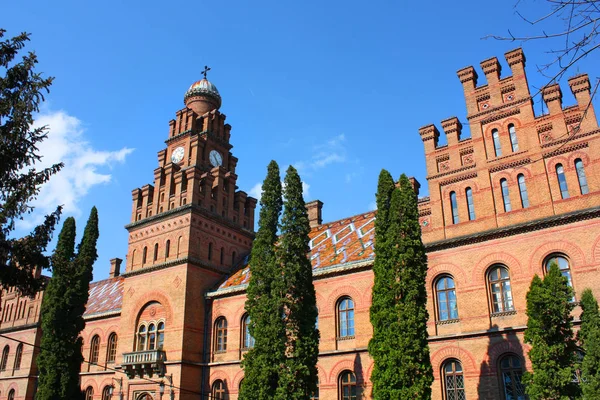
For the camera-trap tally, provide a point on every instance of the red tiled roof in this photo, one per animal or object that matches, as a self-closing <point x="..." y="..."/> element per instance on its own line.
<point x="105" y="296"/>
<point x="335" y="243"/>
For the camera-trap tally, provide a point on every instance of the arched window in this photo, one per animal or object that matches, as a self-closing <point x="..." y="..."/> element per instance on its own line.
<point x="470" y="204"/>
<point x="511" y="373"/>
<point x="563" y="265"/>
<point x="167" y="249"/>
<point x="345" y="317"/>
<point x="209" y="251"/>
<point x="446" y="298"/>
<point x="179" y="246"/>
<point x="454" y="380"/>
<point x="89" y="393"/>
<point x="218" y="390"/>
<point x="133" y="257"/>
<point x="144" y="255"/>
<point x="523" y="191"/>
<point x="94" y="349"/>
<point x="315" y="394"/>
<point x="505" y="194"/>
<point x="4" y="359"/>
<point x="111" y="351"/>
<point x="454" y="206"/>
<point x="155" y="252"/>
<point x="347" y="385"/>
<point x="514" y="143"/>
<point x="220" y="335"/>
<point x="141" y="343"/>
<point x="106" y="395"/>
<point x="151" y="337"/>
<point x="233" y="256"/>
<point x="160" y="336"/>
<point x="583" y="185"/>
<point x="500" y="290"/>
<point x="18" y="357"/>
<point x="496" y="138"/>
<point x="562" y="181"/>
<point x="11" y="395"/>
<point x="222" y="255"/>
<point x="247" y="339"/>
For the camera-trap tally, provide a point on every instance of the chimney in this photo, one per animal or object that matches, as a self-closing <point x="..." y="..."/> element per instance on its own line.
<point x="415" y="183"/>
<point x="115" y="267"/>
<point x="314" y="213"/>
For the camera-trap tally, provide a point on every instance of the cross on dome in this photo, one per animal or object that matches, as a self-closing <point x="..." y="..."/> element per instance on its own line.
<point x="206" y="69"/>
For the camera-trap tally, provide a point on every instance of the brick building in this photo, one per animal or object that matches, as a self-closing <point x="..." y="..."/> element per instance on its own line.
<point x="522" y="190"/>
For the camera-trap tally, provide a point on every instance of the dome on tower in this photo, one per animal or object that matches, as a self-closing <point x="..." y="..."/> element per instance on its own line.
<point x="202" y="97"/>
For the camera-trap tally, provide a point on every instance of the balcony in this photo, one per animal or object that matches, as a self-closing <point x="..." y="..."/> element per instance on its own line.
<point x="142" y="363"/>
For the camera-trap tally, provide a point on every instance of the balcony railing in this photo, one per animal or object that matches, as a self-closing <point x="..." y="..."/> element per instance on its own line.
<point x="142" y="363"/>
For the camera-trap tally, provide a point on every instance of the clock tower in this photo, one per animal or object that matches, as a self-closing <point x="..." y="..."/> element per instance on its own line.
<point x="188" y="231"/>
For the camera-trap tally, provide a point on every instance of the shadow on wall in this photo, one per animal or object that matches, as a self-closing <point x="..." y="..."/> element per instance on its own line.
<point x="501" y="373"/>
<point x="358" y="371"/>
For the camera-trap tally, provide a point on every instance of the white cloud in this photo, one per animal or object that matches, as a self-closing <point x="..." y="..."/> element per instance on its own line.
<point x="330" y="152"/>
<point x="82" y="164"/>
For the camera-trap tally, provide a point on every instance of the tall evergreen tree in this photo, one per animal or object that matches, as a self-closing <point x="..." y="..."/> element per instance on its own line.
<point x="299" y="377"/>
<point x="399" y="315"/>
<point x="550" y="334"/>
<point x="66" y="296"/>
<point x="263" y="363"/>
<point x="589" y="337"/>
<point x="21" y="91"/>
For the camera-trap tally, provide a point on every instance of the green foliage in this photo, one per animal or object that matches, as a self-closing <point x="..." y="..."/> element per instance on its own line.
<point x="299" y="376"/>
<point x="60" y="358"/>
<point x="550" y="334"/>
<point x="265" y="360"/>
<point x="21" y="91"/>
<point x="398" y="312"/>
<point x="589" y="337"/>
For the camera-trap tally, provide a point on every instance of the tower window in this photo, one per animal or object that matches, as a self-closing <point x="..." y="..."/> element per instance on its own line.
<point x="583" y="185"/>
<point x="496" y="139"/>
<point x="222" y="255"/>
<point x="210" y="251"/>
<point x="513" y="138"/>
<point x="505" y="194"/>
<point x="155" y="252"/>
<point x="523" y="191"/>
<point x="144" y="255"/>
<point x="233" y="258"/>
<point x="167" y="249"/>
<point x="470" y="204"/>
<point x="562" y="181"/>
<point x="454" y="206"/>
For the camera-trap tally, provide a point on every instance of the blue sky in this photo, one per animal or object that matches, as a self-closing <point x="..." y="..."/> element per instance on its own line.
<point x="338" y="89"/>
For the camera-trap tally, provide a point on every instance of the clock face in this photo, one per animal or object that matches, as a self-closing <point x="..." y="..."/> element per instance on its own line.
<point x="215" y="158"/>
<point x="177" y="155"/>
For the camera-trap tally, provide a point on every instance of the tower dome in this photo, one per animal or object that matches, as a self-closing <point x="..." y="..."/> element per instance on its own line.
<point x="202" y="96"/>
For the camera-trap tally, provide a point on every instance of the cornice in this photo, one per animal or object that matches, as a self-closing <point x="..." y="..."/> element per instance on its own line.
<point x="567" y="149"/>
<point x="459" y="178"/>
<point x="543" y="223"/>
<point x="454" y="171"/>
<point x="184" y="260"/>
<point x="503" y="107"/>
<point x="101" y="315"/>
<point x="570" y="138"/>
<point x="513" y="164"/>
<point x="19" y="328"/>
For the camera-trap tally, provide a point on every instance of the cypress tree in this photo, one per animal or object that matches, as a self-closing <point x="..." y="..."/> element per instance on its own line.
<point x="399" y="346"/>
<point x="550" y="334"/>
<point x="299" y="377"/>
<point x="265" y="360"/>
<point x="60" y="358"/>
<point x="589" y="337"/>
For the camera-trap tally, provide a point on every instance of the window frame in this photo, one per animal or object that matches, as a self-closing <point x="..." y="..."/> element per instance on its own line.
<point x="220" y="336"/>
<point x="523" y="191"/>
<point x="563" y="186"/>
<point x="505" y="192"/>
<point x="111" y="348"/>
<point x="94" y="349"/>
<point x="454" y="208"/>
<point x="511" y="370"/>
<point x="566" y="272"/>
<point x="350" y="383"/>
<point x="503" y="298"/>
<point x="496" y="142"/>
<point x="11" y="394"/>
<point x="106" y="395"/>
<point x="247" y="339"/>
<point x="342" y="318"/>
<point x="514" y="141"/>
<point x="18" y="357"/>
<point x="89" y="393"/>
<point x="218" y="390"/>
<point x="446" y="290"/>
<point x="470" y="203"/>
<point x="454" y="375"/>
<point x="4" y="359"/>
<point x="581" y="176"/>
